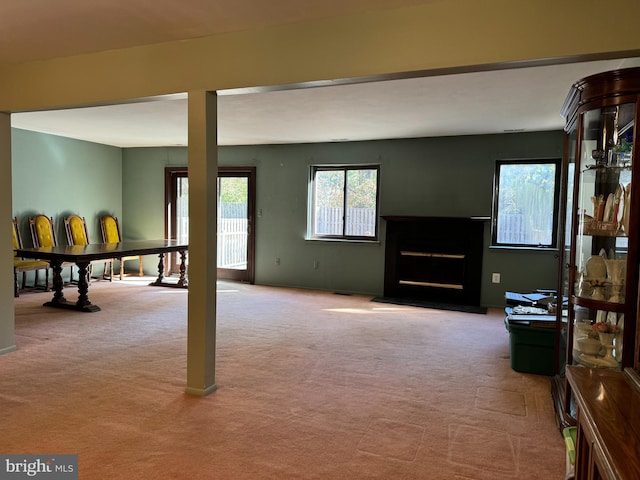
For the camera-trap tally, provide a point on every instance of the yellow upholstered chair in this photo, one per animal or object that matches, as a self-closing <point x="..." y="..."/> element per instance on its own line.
<point x="21" y="265"/>
<point x="75" y="227"/>
<point x="111" y="234"/>
<point x="43" y="234"/>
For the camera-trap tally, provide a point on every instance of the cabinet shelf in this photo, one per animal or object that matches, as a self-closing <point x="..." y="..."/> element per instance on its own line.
<point x="602" y="230"/>
<point x="598" y="304"/>
<point x="591" y="168"/>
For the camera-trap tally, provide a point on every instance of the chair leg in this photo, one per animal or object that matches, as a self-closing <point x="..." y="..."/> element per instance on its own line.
<point x="36" y="283"/>
<point x="106" y="270"/>
<point x="141" y="267"/>
<point x="121" y="269"/>
<point x="15" y="283"/>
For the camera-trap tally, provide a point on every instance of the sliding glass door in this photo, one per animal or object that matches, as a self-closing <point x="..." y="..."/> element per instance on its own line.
<point x="236" y="205"/>
<point x="235" y="208"/>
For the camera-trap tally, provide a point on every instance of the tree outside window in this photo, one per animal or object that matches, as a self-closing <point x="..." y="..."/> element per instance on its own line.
<point x="526" y="203"/>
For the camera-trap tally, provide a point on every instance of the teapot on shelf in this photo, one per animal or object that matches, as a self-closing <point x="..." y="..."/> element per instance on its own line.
<point x="596" y="267"/>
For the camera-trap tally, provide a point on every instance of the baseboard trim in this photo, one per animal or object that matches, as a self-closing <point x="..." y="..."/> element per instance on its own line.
<point x="412" y="302"/>
<point x="200" y="392"/>
<point x="10" y="349"/>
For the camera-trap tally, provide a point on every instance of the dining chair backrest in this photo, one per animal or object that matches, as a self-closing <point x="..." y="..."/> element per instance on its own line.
<point x="110" y="229"/>
<point x="16" y="235"/>
<point x="76" y="228"/>
<point x="43" y="233"/>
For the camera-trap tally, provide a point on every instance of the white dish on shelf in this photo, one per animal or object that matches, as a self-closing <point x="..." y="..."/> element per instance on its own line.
<point x="589" y="346"/>
<point x="593" y="361"/>
<point x="608" y="209"/>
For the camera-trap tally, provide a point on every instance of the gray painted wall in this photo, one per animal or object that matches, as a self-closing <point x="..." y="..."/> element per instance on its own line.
<point x="445" y="176"/>
<point x="58" y="176"/>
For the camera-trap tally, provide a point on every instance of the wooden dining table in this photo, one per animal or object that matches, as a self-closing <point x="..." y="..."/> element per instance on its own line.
<point x="83" y="255"/>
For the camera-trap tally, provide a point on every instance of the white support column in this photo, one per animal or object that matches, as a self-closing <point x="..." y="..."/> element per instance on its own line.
<point x="203" y="174"/>
<point x="7" y="316"/>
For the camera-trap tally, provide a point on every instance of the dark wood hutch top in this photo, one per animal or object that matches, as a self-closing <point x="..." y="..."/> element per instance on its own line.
<point x="594" y="88"/>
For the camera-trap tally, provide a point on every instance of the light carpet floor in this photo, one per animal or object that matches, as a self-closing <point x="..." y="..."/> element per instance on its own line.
<point x="311" y="385"/>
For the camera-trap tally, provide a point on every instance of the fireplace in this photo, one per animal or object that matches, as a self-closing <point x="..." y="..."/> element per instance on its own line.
<point x="434" y="259"/>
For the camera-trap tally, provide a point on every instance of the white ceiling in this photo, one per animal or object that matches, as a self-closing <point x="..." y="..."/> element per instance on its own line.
<point x="517" y="99"/>
<point x="525" y="99"/>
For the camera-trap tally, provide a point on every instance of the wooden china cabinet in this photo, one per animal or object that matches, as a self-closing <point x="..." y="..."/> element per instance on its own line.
<point x="598" y="388"/>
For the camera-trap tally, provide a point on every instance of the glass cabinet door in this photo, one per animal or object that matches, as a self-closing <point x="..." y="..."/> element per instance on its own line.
<point x="564" y="290"/>
<point x="601" y="212"/>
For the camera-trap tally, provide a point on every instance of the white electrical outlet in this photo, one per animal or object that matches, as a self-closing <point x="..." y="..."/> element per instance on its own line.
<point x="495" y="278"/>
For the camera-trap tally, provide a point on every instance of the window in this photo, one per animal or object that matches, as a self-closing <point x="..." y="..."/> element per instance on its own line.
<point x="525" y="203"/>
<point x="344" y="202"/>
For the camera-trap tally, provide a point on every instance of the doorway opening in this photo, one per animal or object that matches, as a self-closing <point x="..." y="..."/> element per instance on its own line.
<point x="236" y="213"/>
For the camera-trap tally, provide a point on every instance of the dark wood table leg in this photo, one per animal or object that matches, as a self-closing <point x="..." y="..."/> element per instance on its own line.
<point x="182" y="282"/>
<point x="159" y="281"/>
<point x="83" y="304"/>
<point x="57" y="285"/>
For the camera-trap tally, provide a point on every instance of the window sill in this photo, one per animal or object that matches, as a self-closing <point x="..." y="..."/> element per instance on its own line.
<point x="342" y="240"/>
<point x="524" y="248"/>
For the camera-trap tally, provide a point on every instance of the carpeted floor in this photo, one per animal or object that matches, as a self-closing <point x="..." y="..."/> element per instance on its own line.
<point x="311" y="385"/>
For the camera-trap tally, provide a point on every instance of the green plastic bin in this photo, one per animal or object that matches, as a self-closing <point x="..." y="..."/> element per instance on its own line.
<point x="532" y="349"/>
